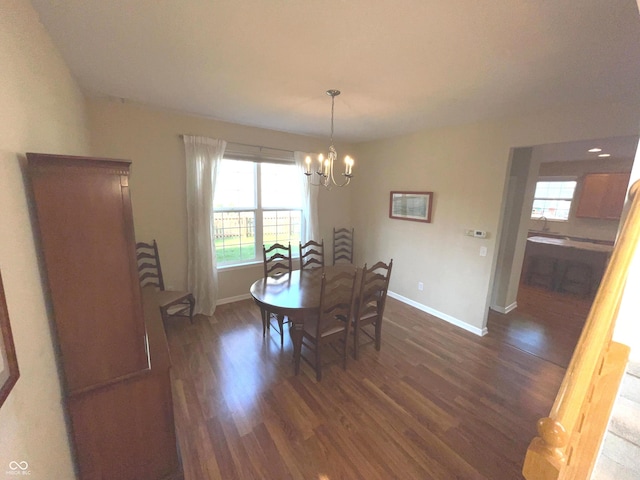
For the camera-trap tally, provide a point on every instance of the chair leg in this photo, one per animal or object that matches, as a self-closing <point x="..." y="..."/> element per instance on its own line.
<point x="344" y="351"/>
<point x="163" y="314"/>
<point x="265" y="320"/>
<point x="378" y="333"/>
<point x="281" y="325"/>
<point x="318" y="364"/>
<point x="192" y="304"/>
<point x="356" y="339"/>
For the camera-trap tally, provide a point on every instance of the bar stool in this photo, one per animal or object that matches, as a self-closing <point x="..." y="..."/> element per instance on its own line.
<point x="542" y="271"/>
<point x="577" y="279"/>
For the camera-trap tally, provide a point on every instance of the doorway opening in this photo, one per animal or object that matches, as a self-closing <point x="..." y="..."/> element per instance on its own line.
<point x="555" y="243"/>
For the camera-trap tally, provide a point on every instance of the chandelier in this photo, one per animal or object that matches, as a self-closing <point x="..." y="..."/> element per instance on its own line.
<point x="323" y="175"/>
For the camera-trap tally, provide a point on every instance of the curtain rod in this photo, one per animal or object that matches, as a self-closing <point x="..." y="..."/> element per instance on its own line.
<point x="259" y="146"/>
<point x="255" y="146"/>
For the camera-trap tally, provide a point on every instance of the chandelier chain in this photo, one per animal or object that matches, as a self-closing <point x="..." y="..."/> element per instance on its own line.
<point x="333" y="98"/>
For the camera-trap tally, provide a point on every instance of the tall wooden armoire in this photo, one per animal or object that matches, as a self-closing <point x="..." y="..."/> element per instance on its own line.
<point x="113" y="353"/>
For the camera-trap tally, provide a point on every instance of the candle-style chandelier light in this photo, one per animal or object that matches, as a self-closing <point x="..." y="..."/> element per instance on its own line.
<point x="323" y="175"/>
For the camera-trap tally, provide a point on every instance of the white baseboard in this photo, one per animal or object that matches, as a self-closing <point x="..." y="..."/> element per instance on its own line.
<point x="506" y="309"/>
<point x="408" y="301"/>
<point x="440" y="315"/>
<point x="237" y="298"/>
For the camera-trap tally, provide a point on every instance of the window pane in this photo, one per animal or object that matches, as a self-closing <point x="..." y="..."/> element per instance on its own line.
<point x="281" y="186"/>
<point x="282" y="226"/>
<point x="235" y="185"/>
<point x="235" y="236"/>
<point x="552" y="189"/>
<point x="551" y="209"/>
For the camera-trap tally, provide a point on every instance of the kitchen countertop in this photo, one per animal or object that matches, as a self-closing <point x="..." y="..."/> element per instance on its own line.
<point x="568" y="243"/>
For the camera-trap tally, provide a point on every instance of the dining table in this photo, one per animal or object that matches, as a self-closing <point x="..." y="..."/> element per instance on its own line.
<point x="296" y="295"/>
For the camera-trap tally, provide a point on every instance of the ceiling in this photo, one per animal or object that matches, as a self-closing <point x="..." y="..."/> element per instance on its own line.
<point x="618" y="148"/>
<point x="402" y="65"/>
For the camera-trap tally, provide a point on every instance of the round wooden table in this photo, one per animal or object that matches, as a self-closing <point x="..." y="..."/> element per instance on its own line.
<point x="296" y="295"/>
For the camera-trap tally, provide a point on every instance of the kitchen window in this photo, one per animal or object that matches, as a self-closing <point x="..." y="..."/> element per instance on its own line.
<point x="552" y="199"/>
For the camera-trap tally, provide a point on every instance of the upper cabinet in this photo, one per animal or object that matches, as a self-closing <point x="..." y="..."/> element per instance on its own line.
<point x="603" y="195"/>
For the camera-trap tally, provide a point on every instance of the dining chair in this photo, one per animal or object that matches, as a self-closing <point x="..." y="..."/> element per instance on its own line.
<point x="332" y="322"/>
<point x="342" y="245"/>
<point x="372" y="297"/>
<point x="311" y="254"/>
<point x="173" y="303"/>
<point x="277" y="262"/>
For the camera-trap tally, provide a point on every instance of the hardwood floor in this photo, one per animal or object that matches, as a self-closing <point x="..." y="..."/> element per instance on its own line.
<point x="546" y="324"/>
<point x="436" y="402"/>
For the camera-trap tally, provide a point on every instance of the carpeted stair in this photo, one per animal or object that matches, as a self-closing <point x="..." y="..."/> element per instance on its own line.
<point x="620" y="455"/>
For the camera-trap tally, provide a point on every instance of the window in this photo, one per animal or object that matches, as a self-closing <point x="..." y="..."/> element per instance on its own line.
<point x="552" y="199"/>
<point x="255" y="203"/>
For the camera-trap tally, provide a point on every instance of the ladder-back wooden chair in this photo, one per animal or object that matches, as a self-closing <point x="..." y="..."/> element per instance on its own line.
<point x="276" y="261"/>
<point x="371" y="301"/>
<point x="332" y="323"/>
<point x="342" y="245"/>
<point x="173" y="303"/>
<point x="311" y="254"/>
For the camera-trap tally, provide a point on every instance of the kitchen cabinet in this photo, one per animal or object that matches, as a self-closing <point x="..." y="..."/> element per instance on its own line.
<point x="602" y="195"/>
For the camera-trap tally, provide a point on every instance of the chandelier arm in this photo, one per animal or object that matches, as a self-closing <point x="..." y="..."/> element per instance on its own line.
<point x="346" y="182"/>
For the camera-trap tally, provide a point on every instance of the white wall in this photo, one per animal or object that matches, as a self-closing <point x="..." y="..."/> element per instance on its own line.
<point x="42" y="111"/>
<point x="466" y="167"/>
<point x="151" y="139"/>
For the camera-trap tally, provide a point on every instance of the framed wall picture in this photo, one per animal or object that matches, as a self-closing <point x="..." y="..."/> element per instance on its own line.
<point x="413" y="206"/>
<point x="8" y="362"/>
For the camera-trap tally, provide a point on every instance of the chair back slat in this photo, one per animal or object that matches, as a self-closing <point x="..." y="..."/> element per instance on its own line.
<point x="311" y="254"/>
<point x="149" y="269"/>
<point x="373" y="290"/>
<point x="337" y="293"/>
<point x="342" y="245"/>
<point x="276" y="259"/>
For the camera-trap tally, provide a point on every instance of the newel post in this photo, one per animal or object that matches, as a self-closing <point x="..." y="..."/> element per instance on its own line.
<point x="545" y="456"/>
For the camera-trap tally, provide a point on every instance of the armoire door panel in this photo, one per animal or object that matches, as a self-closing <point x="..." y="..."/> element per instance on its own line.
<point x="85" y="239"/>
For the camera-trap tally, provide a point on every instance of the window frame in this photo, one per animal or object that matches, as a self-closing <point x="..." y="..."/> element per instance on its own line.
<point x="558" y="179"/>
<point x="258" y="211"/>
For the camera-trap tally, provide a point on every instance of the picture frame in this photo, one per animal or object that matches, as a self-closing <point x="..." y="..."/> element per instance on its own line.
<point x="9" y="371"/>
<point x="412" y="206"/>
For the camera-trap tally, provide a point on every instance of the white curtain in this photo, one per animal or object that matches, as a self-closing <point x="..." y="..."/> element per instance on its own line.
<point x="309" y="222"/>
<point x="203" y="158"/>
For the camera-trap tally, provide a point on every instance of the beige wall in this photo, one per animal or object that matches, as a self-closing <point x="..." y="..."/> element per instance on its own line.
<point x="466" y="167"/>
<point x="42" y="111"/>
<point x="151" y="139"/>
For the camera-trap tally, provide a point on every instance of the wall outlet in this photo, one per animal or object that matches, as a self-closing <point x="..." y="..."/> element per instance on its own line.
<point x="420" y="286"/>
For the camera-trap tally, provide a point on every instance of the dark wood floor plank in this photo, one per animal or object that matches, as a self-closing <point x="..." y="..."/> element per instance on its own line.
<point x="436" y="402"/>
